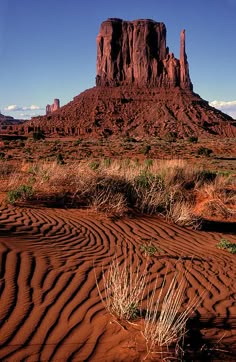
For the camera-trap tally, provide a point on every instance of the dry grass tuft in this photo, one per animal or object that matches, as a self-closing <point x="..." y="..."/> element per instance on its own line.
<point x="165" y="320"/>
<point x="123" y="287"/>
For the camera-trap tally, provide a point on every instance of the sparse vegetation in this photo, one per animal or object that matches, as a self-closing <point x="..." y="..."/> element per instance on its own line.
<point x="60" y="159"/>
<point x="123" y="290"/>
<point x="146" y="149"/>
<point x="23" y="192"/>
<point x="148" y="248"/>
<point x="168" y="187"/>
<point x="39" y="135"/>
<point x="193" y="139"/>
<point x="204" y="151"/>
<point x="227" y="245"/>
<point x="165" y="318"/>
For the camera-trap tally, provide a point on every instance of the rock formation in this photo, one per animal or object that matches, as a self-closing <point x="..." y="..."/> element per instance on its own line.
<point x="141" y="90"/>
<point x="53" y="107"/>
<point x="8" y="120"/>
<point x="135" y="52"/>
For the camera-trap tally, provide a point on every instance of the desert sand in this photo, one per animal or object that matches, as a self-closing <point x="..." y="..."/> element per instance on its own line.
<point x="50" y="306"/>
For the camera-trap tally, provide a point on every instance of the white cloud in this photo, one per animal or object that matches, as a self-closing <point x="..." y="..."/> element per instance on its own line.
<point x="228" y="107"/>
<point x="31" y="108"/>
<point x="23" y="112"/>
<point x="15" y="108"/>
<point x="12" y="108"/>
<point x="223" y="103"/>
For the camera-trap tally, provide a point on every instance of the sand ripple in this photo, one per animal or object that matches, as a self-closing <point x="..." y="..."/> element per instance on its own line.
<point x="50" y="309"/>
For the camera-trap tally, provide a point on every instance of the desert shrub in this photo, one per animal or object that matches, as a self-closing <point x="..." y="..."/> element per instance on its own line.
<point x="170" y="137"/>
<point x="146" y="149"/>
<point x="77" y="142"/>
<point x="60" y="159"/>
<point x="227" y="245"/>
<point x="148" y="248"/>
<point x="204" y="151"/>
<point x="129" y="139"/>
<point x="220" y="196"/>
<point x="207" y="175"/>
<point x="148" y="162"/>
<point x="22" y="192"/>
<point x="38" y="135"/>
<point x="94" y="165"/>
<point x="144" y="179"/>
<point x="193" y="139"/>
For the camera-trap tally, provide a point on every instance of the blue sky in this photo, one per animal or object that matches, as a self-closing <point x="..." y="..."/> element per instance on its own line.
<point x="48" y="47"/>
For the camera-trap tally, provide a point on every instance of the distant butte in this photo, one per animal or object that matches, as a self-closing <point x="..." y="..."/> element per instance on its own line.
<point x="53" y="107"/>
<point x="141" y="90"/>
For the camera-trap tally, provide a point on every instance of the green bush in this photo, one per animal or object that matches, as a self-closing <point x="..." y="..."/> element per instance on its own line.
<point x="227" y="245"/>
<point x="94" y="165"/>
<point x="23" y="192"/>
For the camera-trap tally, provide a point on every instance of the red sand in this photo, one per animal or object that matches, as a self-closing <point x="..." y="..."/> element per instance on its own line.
<point x="50" y="309"/>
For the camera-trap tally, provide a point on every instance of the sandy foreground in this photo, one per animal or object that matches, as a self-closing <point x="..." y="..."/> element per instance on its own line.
<point x="50" y="309"/>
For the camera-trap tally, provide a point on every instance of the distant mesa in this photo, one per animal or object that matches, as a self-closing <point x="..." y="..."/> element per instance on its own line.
<point x="53" y="107"/>
<point x="141" y="90"/>
<point x="135" y="52"/>
<point x="8" y="120"/>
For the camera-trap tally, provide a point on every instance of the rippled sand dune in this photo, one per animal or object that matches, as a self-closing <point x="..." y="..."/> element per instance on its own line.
<point x="50" y="309"/>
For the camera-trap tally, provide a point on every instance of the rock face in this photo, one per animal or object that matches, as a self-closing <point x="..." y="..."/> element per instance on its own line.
<point x="137" y="112"/>
<point x="135" y="52"/>
<point x="53" y="107"/>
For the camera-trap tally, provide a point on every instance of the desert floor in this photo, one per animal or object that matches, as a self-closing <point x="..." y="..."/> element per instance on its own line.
<point x="50" y="307"/>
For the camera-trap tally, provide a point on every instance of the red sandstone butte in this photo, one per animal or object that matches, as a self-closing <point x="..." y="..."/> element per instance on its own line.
<point x="53" y="107"/>
<point x="141" y="90"/>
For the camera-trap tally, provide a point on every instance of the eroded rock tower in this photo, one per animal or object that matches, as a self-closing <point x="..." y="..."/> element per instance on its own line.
<point x="135" y="52"/>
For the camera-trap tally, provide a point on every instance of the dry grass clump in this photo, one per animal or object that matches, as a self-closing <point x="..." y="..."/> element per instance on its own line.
<point x="219" y="197"/>
<point x="182" y="213"/>
<point x="166" y="319"/>
<point x="124" y="286"/>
